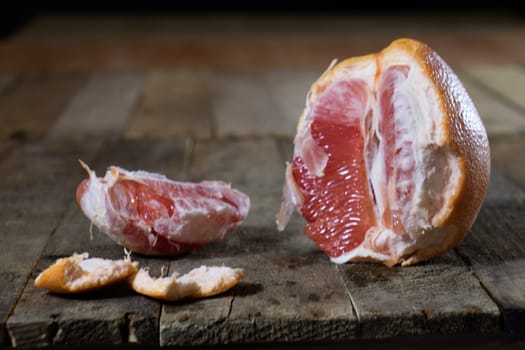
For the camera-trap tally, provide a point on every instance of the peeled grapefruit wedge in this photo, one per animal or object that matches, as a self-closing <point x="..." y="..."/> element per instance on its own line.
<point x="391" y="160"/>
<point x="153" y="215"/>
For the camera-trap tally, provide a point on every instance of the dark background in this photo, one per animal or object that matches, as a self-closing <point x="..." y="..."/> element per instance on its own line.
<point x="14" y="14"/>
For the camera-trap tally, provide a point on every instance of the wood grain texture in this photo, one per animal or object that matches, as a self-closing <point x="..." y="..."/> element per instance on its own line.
<point x="5" y="81"/>
<point x="35" y="191"/>
<point x="100" y="108"/>
<point x="202" y="321"/>
<point x="296" y="303"/>
<point x="173" y="103"/>
<point x="497" y="115"/>
<point x="496" y="252"/>
<point x="40" y="168"/>
<point x="169" y="157"/>
<point x="243" y="105"/>
<point x="507" y="155"/>
<point x="32" y="103"/>
<point x="289" y="88"/>
<point x="440" y="297"/>
<point x="23" y="235"/>
<point x="507" y="80"/>
<point x="503" y="191"/>
<point x="281" y="299"/>
<point x="252" y="166"/>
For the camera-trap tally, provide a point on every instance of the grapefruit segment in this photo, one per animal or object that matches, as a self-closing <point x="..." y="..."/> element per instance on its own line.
<point x="338" y="204"/>
<point x="391" y="160"/>
<point x="150" y="214"/>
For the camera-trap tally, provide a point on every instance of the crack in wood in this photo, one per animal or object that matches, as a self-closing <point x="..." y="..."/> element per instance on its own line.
<point x="230" y="307"/>
<point x="351" y="300"/>
<point x="53" y="329"/>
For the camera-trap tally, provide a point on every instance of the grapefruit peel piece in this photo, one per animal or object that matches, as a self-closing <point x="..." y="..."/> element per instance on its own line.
<point x="79" y="273"/>
<point x="201" y="282"/>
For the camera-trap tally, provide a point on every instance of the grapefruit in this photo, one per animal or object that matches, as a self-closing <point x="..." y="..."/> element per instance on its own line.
<point x="153" y="215"/>
<point x="391" y="160"/>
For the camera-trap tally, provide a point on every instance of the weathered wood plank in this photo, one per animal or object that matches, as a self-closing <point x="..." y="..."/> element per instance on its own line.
<point x="45" y="167"/>
<point x="173" y="103"/>
<point x="100" y="108"/>
<point x="169" y="157"/>
<point x="496" y="252"/>
<point x="507" y="80"/>
<point x="289" y="89"/>
<point x="299" y="283"/>
<point x="498" y="117"/>
<point x="252" y="166"/>
<point x="503" y="191"/>
<point x="285" y="146"/>
<point x="23" y="237"/>
<point x="507" y="155"/>
<point x="109" y="317"/>
<point x="282" y="298"/>
<point x="31" y="104"/>
<point x="5" y="81"/>
<point x="200" y="322"/>
<point x="243" y="105"/>
<point x="37" y="185"/>
<point x="440" y="297"/>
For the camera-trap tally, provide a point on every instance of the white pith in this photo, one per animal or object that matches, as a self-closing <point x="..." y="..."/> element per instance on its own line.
<point x="200" y="282"/>
<point x="84" y="272"/>
<point x="437" y="174"/>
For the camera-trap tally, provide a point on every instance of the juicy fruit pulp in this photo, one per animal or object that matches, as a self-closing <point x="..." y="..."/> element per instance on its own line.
<point x="153" y="215"/>
<point x="337" y="205"/>
<point x="340" y="205"/>
<point x="375" y="173"/>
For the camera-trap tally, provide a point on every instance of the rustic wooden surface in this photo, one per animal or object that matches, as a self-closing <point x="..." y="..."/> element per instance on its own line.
<point x="218" y="98"/>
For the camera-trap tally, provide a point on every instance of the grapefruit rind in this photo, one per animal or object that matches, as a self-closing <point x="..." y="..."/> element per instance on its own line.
<point x="201" y="282"/>
<point x="79" y="273"/>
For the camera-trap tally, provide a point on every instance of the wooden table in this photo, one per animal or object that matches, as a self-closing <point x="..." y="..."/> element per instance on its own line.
<point x="218" y="98"/>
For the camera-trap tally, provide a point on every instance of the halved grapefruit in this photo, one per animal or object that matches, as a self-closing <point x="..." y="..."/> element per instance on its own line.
<point x="391" y="160"/>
